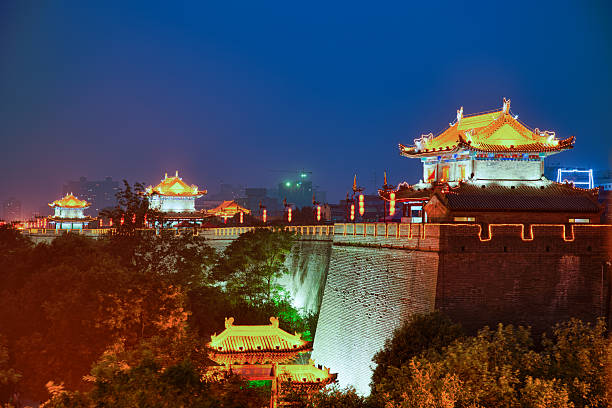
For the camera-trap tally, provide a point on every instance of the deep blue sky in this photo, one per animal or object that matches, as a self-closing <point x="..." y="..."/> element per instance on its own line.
<point x="229" y="92"/>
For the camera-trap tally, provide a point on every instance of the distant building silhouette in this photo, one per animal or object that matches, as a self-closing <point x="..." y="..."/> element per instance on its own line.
<point x="255" y="196"/>
<point x="101" y="194"/>
<point x="11" y="210"/>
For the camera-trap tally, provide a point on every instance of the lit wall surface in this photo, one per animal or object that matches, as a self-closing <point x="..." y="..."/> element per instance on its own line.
<point x="368" y="294"/>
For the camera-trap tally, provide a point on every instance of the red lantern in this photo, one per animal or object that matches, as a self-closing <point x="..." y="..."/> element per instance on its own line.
<point x="392" y="204"/>
<point x="134" y="219"/>
<point x="318" y="213"/>
<point x="352" y="212"/>
<point x="361" y="204"/>
<point x="241" y="217"/>
<point x="289" y="214"/>
<point x="122" y="220"/>
<point x="110" y="222"/>
<point x="265" y="215"/>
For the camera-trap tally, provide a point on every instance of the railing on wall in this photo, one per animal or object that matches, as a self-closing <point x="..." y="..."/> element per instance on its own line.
<point x="422" y="231"/>
<point x="383" y="230"/>
<point x="53" y="231"/>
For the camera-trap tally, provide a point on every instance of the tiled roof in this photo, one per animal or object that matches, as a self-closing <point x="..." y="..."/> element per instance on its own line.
<point x="496" y="131"/>
<point x="406" y="192"/>
<point x="496" y="197"/>
<point x="305" y="374"/>
<point x="175" y="186"/>
<point x="70" y="201"/>
<point x="255" y="343"/>
<point x="555" y="197"/>
<point x="228" y="209"/>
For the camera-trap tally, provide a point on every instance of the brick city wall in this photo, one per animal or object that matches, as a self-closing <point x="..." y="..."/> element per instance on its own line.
<point x="370" y="290"/>
<point x="367" y="278"/>
<point x="531" y="282"/>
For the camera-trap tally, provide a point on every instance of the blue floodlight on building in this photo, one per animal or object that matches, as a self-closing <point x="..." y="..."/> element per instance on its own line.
<point x="579" y="178"/>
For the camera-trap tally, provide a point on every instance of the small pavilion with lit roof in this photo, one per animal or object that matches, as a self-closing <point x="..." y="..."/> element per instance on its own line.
<point x="69" y="213"/>
<point x="175" y="199"/>
<point x="265" y="353"/>
<point x="228" y="209"/>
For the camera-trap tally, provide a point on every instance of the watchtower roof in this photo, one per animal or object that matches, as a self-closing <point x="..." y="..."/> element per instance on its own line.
<point x="228" y="209"/>
<point x="496" y="132"/>
<point x="69" y="201"/>
<point x="256" y="338"/>
<point x="175" y="186"/>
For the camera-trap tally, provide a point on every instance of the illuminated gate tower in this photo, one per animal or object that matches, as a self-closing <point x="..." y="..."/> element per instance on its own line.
<point x="175" y="199"/>
<point x="264" y="353"/>
<point x="69" y="213"/>
<point x="489" y="167"/>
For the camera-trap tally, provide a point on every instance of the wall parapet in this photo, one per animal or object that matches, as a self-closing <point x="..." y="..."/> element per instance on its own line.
<point x="421" y="232"/>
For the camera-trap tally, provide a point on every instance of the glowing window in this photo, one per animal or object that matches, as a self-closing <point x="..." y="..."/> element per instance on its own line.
<point x="579" y="220"/>
<point x="445" y="171"/>
<point x="461" y="172"/>
<point x="465" y="219"/>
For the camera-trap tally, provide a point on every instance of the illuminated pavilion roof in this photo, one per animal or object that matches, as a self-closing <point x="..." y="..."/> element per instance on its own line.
<point x="255" y="344"/>
<point x="305" y="374"/>
<point x="175" y="186"/>
<point x="70" y="201"/>
<point x="228" y="209"/>
<point x="496" y="131"/>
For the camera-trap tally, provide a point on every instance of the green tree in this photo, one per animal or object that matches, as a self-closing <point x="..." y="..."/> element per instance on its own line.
<point x="149" y="384"/>
<point x="252" y="263"/>
<point x="577" y="354"/>
<point x="330" y="397"/>
<point x="75" y="300"/>
<point x="184" y="260"/>
<point x="505" y="368"/>
<point x="422" y="333"/>
<point x="131" y="209"/>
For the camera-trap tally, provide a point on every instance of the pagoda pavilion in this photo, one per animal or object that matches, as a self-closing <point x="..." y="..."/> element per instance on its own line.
<point x="175" y="199"/>
<point x="489" y="168"/>
<point x="228" y="209"/>
<point x="69" y="213"/>
<point x="264" y="353"/>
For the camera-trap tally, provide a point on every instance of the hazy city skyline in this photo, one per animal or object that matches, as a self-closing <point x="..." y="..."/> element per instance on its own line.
<point x="129" y="91"/>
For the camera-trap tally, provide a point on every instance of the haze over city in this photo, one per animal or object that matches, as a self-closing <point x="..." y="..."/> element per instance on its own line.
<point x="235" y="93"/>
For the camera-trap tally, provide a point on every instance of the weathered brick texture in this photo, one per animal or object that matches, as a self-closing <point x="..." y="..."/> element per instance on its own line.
<point x="369" y="291"/>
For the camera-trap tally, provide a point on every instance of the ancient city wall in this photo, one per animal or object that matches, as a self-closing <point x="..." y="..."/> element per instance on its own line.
<point x="534" y="278"/>
<point x="367" y="278"/>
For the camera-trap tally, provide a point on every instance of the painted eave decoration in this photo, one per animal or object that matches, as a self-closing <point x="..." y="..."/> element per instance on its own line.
<point x="69" y="201"/>
<point x="496" y="131"/>
<point x="175" y="186"/>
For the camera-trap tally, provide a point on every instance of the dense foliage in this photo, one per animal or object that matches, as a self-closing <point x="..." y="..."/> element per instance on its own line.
<point x="76" y="301"/>
<point x="428" y="363"/>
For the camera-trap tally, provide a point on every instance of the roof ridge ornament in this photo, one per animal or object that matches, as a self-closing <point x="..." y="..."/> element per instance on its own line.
<point x="459" y="115"/>
<point x="274" y="322"/>
<point x="468" y="135"/>
<point x="422" y="142"/>
<point x="506" y="106"/>
<point x="229" y="322"/>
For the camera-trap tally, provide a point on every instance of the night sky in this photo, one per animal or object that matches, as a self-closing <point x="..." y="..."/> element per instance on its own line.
<point x="236" y="92"/>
